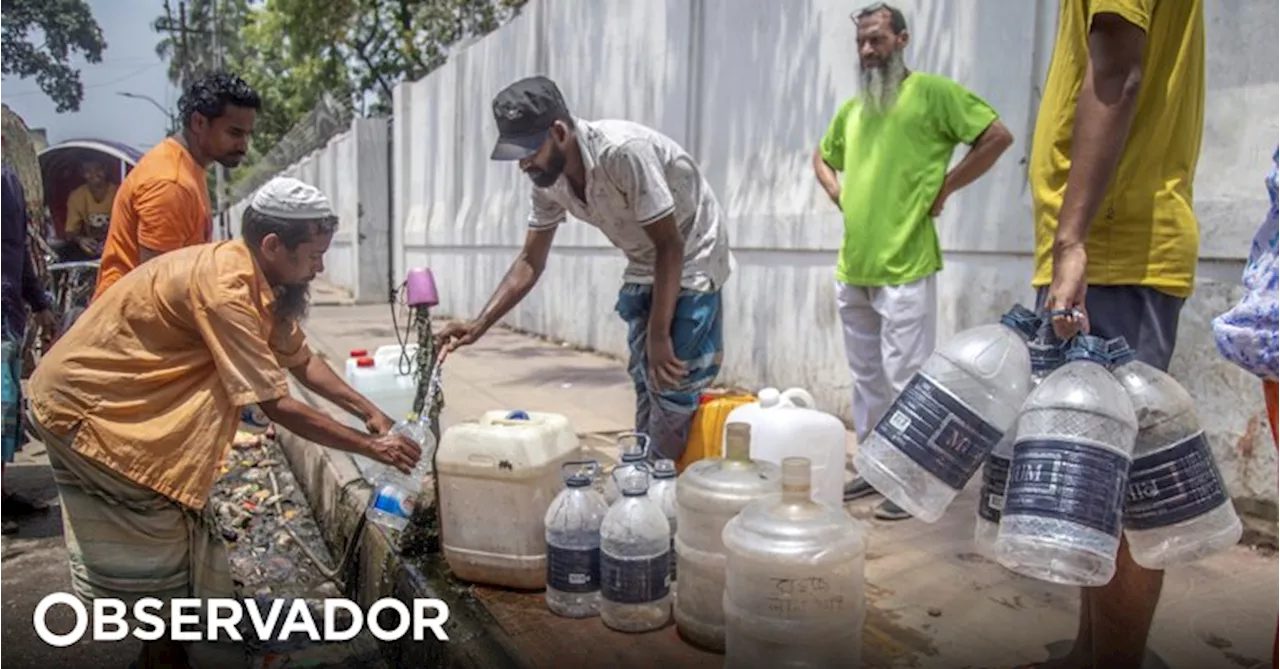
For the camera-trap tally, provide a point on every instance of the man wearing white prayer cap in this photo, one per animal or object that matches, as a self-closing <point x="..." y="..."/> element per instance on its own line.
<point x="138" y="405"/>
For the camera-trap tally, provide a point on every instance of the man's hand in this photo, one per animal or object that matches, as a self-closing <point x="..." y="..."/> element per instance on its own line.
<point x="379" y="423"/>
<point x="48" y="324"/>
<point x="940" y="200"/>
<point x="665" y="368"/>
<point x="1066" y="293"/>
<point x="457" y="334"/>
<point x="394" y="450"/>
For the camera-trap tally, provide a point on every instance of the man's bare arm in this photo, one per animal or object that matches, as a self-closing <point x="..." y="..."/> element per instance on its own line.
<point x="318" y="377"/>
<point x="1104" y="114"/>
<point x="988" y="148"/>
<point x="319" y="428"/>
<point x="827" y="176"/>
<point x="521" y="277"/>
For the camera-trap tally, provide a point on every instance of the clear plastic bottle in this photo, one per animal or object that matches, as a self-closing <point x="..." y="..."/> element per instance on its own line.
<point x="709" y="494"/>
<point x="1046" y="356"/>
<point x="662" y="489"/>
<point x="1063" y="505"/>
<point x="1177" y="509"/>
<point x="573" y="544"/>
<point x="949" y="417"/>
<point x="396" y="494"/>
<point x="635" y="561"/>
<point x="794" y="582"/>
<point x="633" y="449"/>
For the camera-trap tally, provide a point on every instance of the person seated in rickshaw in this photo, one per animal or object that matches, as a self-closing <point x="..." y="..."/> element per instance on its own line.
<point x="89" y="212"/>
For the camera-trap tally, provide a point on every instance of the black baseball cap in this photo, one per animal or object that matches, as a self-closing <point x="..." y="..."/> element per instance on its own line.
<point x="525" y="112"/>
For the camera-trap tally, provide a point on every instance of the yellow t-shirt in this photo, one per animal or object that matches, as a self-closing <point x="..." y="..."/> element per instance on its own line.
<point x="87" y="217"/>
<point x="1146" y="231"/>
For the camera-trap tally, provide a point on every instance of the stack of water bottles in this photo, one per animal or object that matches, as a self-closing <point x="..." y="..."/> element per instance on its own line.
<point x="1080" y="441"/>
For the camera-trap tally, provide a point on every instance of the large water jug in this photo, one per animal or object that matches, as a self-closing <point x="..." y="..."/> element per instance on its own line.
<point x="951" y="414"/>
<point x="1177" y="509"/>
<point x="635" y="560"/>
<point x="794" y="580"/>
<point x="384" y="385"/>
<point x="353" y="360"/>
<point x="709" y="493"/>
<point x="573" y="544"/>
<point x="662" y="489"/>
<point x="633" y="452"/>
<point x="395" y="494"/>
<point x="786" y="424"/>
<point x="497" y="478"/>
<point x="1046" y="356"/>
<point x="402" y="359"/>
<point x="1063" y="505"/>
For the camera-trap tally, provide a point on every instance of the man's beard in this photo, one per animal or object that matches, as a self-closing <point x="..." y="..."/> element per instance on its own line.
<point x="880" y="85"/>
<point x="292" y="301"/>
<point x="548" y="178"/>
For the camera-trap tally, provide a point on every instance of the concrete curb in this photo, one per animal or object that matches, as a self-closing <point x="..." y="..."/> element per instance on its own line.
<point x="339" y="495"/>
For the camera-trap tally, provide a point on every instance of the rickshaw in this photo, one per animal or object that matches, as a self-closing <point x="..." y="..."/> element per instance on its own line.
<point x="61" y="167"/>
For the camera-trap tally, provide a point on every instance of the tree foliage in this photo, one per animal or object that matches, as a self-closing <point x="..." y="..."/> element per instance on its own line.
<point x="61" y="28"/>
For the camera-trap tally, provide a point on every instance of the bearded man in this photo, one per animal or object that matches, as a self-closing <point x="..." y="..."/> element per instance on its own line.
<point x="883" y="162"/>
<point x="138" y="405"/>
<point x="647" y="195"/>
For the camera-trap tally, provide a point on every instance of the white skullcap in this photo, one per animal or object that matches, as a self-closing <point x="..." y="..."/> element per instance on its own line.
<point x="288" y="198"/>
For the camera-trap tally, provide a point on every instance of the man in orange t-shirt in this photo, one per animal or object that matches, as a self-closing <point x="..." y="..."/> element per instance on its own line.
<point x="163" y="204"/>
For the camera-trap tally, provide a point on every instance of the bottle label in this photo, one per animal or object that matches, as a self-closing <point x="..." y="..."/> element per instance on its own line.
<point x="394" y="501"/>
<point x="938" y="432"/>
<point x="1173" y="485"/>
<point x="635" y="581"/>
<point x="575" y="570"/>
<point x="1065" y="480"/>
<point x="995" y="477"/>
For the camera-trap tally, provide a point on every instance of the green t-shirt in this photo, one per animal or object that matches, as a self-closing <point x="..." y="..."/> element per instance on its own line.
<point x="893" y="167"/>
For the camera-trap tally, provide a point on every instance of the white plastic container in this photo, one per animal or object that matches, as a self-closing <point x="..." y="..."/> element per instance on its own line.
<point x="389" y="390"/>
<point x="390" y="356"/>
<point x="353" y="358"/>
<point x="788" y="424"/>
<point x="497" y="479"/>
<point x="794" y="581"/>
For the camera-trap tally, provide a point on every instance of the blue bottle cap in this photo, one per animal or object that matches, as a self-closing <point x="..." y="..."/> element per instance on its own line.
<point x="1089" y="347"/>
<point x="517" y="415"/>
<point x="1021" y="320"/>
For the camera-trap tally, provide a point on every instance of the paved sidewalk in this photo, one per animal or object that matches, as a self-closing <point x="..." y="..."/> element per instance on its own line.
<point x="932" y="601"/>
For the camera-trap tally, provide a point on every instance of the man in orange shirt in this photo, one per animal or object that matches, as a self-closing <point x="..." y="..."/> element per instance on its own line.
<point x="136" y="405"/>
<point x="163" y="204"/>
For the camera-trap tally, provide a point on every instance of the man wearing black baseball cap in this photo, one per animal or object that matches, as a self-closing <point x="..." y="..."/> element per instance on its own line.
<point x="647" y="195"/>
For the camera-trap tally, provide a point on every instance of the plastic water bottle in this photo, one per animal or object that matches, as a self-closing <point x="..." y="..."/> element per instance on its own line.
<point x="573" y="544"/>
<point x="1046" y="356"/>
<point x="1063" y="505"/>
<point x="635" y="560"/>
<point x="633" y="449"/>
<point x="949" y="417"/>
<point x="662" y="489"/>
<point x="395" y="493"/>
<point x="1177" y="509"/>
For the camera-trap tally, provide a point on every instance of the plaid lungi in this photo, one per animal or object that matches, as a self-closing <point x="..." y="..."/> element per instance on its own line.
<point x="11" y="376"/>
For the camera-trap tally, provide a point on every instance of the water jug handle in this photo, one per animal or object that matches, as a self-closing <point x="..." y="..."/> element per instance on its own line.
<point x="799" y="397"/>
<point x="589" y="468"/>
<point x="641" y="437"/>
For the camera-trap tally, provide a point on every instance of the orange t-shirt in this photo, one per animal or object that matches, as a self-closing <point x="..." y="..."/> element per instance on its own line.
<point x="163" y="205"/>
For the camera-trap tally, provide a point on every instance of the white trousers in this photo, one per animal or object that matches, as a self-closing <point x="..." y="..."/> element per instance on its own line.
<point x="889" y="332"/>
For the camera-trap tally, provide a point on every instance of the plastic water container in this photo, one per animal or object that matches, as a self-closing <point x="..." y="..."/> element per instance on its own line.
<point x="788" y="424"/>
<point x="794" y="582"/>
<point x="1045" y="357"/>
<point x="389" y="390"/>
<point x="391" y="356"/>
<point x="497" y="478"/>
<point x="662" y="489"/>
<point x="353" y="358"/>
<point x="633" y="451"/>
<point x="708" y="494"/>
<point x="635" y="559"/>
<point x="1062" y="510"/>
<point x="395" y="495"/>
<point x="706" y="434"/>
<point x="939" y="431"/>
<point x="1177" y="509"/>
<point x="573" y="544"/>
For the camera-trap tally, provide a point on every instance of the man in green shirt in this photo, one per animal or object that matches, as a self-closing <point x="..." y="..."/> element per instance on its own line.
<point x="884" y="163"/>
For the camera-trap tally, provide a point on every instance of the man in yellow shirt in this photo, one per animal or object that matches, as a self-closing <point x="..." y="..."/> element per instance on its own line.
<point x="89" y="210"/>
<point x="1112" y="163"/>
<point x="138" y="404"/>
